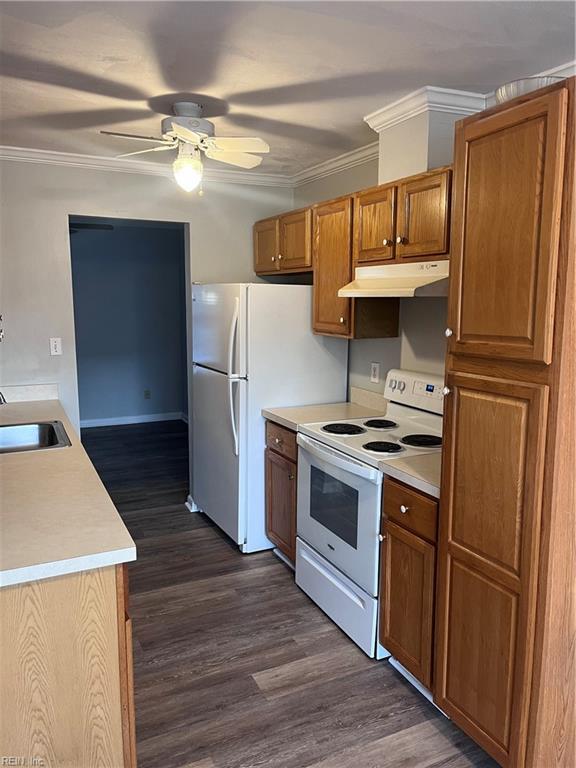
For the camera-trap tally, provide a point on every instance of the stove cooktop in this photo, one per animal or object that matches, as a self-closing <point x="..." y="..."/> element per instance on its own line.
<point x="402" y="432"/>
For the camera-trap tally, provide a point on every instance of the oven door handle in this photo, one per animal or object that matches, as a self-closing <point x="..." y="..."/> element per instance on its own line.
<point x="335" y="458"/>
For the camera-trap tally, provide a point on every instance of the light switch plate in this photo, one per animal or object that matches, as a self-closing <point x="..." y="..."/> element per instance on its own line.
<point x="374" y="373"/>
<point x="56" y="346"/>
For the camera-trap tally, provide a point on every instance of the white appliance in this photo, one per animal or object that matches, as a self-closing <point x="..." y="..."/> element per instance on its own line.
<point x="252" y="348"/>
<point x="340" y="472"/>
<point x="421" y="278"/>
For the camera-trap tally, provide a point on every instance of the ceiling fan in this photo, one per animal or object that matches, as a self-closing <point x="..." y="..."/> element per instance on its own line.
<point x="191" y="135"/>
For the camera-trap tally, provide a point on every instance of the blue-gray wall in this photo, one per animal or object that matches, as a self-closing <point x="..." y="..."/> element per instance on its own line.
<point x="130" y="321"/>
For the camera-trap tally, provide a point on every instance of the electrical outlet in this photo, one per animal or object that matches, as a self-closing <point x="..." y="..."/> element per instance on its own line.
<point x="55" y="346"/>
<point x="374" y="373"/>
<point x="147" y="394"/>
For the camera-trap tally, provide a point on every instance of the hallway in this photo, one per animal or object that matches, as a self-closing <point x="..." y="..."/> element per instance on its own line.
<point x="234" y="666"/>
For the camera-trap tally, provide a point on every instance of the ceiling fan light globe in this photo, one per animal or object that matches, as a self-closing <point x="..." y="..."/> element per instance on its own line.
<point x="187" y="172"/>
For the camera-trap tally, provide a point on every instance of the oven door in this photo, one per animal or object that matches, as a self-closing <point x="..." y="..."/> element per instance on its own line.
<point x="339" y="501"/>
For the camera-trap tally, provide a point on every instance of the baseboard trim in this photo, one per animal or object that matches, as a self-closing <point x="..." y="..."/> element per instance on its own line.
<point x="116" y="421"/>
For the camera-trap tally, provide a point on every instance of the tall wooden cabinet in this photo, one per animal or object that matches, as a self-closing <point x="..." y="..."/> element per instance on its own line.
<point x="332" y="261"/>
<point x="505" y="622"/>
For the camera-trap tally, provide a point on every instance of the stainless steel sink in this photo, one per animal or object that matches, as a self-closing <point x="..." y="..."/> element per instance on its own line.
<point x="32" y="437"/>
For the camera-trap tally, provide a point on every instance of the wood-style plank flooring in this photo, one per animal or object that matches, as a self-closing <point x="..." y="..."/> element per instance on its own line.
<point x="234" y="666"/>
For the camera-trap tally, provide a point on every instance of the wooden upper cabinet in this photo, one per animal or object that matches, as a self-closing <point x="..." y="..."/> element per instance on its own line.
<point x="374" y="224"/>
<point x="266" y="245"/>
<point x="507" y="195"/>
<point x="332" y="259"/>
<point x="407" y="600"/>
<point x="296" y="241"/>
<point x="492" y="484"/>
<point x="423" y="222"/>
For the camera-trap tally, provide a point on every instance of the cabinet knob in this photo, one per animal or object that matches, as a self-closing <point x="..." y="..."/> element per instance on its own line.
<point x="400" y="240"/>
<point x="448" y="332"/>
<point x="446" y="391"/>
<point x="273" y="258"/>
<point x="381" y="537"/>
<point x="290" y="477"/>
<point x="278" y="440"/>
<point x="341" y="321"/>
<point x="386" y="241"/>
<point x="404" y="508"/>
<point x="279" y="257"/>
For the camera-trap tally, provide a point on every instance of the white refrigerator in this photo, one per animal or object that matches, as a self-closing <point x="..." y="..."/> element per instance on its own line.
<point x="253" y="348"/>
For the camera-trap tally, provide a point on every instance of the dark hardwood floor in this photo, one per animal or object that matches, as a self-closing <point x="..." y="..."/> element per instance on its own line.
<point x="234" y="666"/>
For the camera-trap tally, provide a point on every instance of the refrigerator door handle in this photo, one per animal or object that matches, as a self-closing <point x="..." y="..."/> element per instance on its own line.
<point x="231" y="383"/>
<point x="232" y="337"/>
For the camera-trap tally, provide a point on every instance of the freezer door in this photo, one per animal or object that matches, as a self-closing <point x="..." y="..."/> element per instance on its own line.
<point x="218" y="405"/>
<point x="219" y="327"/>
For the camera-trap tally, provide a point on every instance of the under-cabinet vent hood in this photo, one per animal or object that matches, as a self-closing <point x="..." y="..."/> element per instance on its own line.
<point x="423" y="278"/>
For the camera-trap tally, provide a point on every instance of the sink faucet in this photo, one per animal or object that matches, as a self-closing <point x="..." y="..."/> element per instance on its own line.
<point x="2" y="399"/>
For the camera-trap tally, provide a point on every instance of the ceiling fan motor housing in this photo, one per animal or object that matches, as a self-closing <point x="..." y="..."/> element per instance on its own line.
<point x="188" y="114"/>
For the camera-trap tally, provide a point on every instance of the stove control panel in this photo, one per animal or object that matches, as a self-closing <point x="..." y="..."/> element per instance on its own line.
<point x="419" y="390"/>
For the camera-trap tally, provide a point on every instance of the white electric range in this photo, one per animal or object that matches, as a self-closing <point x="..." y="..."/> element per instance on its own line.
<point x="340" y="479"/>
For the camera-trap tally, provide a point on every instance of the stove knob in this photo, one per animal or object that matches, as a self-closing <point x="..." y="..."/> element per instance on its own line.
<point x="446" y="391"/>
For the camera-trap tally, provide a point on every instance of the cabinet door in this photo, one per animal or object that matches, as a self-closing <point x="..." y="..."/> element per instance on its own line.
<point x="374" y="221"/>
<point x="490" y="518"/>
<point x="407" y="600"/>
<point x="281" y="503"/>
<point x="507" y="195"/>
<point x="332" y="257"/>
<point x="266" y="245"/>
<point x="423" y="216"/>
<point x="296" y="241"/>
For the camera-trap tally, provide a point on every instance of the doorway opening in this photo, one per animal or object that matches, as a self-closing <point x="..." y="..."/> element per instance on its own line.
<point x="129" y="292"/>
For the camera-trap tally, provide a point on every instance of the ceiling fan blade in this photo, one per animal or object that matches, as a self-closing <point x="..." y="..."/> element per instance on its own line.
<point x="22" y="67"/>
<point x="241" y="159"/>
<point x="240" y="144"/>
<point x="134" y="136"/>
<point x="150" y="149"/>
<point x="185" y="134"/>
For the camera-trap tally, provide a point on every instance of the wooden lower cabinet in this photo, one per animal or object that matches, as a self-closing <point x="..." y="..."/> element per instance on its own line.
<point x="66" y="671"/>
<point x="492" y="492"/>
<point x="407" y="599"/>
<point x="281" y="476"/>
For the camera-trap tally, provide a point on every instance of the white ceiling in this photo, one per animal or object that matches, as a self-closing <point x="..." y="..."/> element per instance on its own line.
<point x="302" y="75"/>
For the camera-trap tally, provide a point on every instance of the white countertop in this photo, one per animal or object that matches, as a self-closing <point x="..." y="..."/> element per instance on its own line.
<point x="420" y="472"/>
<point x="307" y="414"/>
<point x="55" y="514"/>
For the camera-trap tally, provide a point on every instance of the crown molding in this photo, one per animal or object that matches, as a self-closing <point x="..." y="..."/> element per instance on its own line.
<point x="212" y="175"/>
<point x="358" y="156"/>
<point x="430" y="98"/>
<point x="126" y="165"/>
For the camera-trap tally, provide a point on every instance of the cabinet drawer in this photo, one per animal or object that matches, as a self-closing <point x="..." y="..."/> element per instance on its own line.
<point x="281" y="440"/>
<point x="420" y="513"/>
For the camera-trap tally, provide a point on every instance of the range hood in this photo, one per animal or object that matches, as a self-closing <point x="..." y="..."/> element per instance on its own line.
<point x="422" y="278"/>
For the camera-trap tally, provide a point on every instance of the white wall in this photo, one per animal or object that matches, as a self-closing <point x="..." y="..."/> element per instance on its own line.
<point x="130" y="322"/>
<point x="35" y="270"/>
<point x="337" y="184"/>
